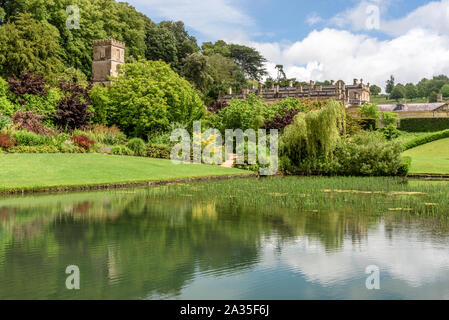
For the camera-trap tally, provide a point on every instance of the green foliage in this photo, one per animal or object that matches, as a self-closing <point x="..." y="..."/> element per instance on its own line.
<point x="430" y="87"/>
<point x="196" y="70"/>
<point x="250" y="60"/>
<point x="390" y="132"/>
<point x="426" y="139"/>
<point x="160" y="151"/>
<point x="137" y="145"/>
<point x="369" y="110"/>
<point x="241" y="114"/>
<point x="411" y="91"/>
<point x="375" y="90"/>
<point x="390" y="118"/>
<point x="99" y="19"/>
<point x="433" y="97"/>
<point x="99" y="99"/>
<point x="34" y="149"/>
<point x="160" y="44"/>
<point x="5" y="121"/>
<point x="220" y="47"/>
<point x="45" y="105"/>
<point x="121" y="150"/>
<point x="312" y="138"/>
<point x="185" y="43"/>
<point x="368" y="154"/>
<point x="27" y="138"/>
<point x="6" y="106"/>
<point x="398" y="92"/>
<point x="104" y="135"/>
<point x="28" y="44"/>
<point x="445" y="90"/>
<point x="406" y="164"/>
<point x="225" y="73"/>
<point x="368" y="124"/>
<point x="390" y="85"/>
<point x="74" y="76"/>
<point x="148" y="96"/>
<point x="424" y="124"/>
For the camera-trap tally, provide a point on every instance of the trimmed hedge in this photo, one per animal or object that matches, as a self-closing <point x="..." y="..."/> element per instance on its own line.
<point x="426" y="139"/>
<point x="424" y="124"/>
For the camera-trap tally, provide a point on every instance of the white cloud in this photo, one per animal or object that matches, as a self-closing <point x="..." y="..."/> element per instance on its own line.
<point x="217" y="19"/>
<point x="433" y="16"/>
<point x="313" y="19"/>
<point x="419" y="46"/>
<point x="337" y="54"/>
<point x="330" y="268"/>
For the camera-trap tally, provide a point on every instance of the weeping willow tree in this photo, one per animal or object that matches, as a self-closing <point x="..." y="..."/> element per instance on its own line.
<point x="308" y="144"/>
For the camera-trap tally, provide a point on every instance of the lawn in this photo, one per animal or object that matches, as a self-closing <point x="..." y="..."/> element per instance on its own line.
<point x="430" y="158"/>
<point x="383" y="100"/>
<point x="38" y="171"/>
<point x="409" y="136"/>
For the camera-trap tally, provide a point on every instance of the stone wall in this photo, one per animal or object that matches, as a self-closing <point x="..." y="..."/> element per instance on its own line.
<point x="352" y="95"/>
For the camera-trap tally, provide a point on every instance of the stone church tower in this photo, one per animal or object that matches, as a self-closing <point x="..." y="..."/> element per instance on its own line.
<point x="108" y="56"/>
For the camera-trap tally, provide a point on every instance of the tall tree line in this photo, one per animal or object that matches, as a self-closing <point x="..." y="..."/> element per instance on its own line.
<point x="34" y="35"/>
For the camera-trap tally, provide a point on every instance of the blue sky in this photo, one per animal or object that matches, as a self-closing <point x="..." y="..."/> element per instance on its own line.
<point x="323" y="39"/>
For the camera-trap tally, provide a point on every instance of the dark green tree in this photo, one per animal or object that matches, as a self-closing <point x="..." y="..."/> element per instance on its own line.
<point x="445" y="90"/>
<point x="390" y="85"/>
<point x="411" y="92"/>
<point x="251" y="61"/>
<point x="219" y="47"/>
<point x="398" y="92"/>
<point x="160" y="44"/>
<point x="375" y="90"/>
<point x="281" y="73"/>
<point x="185" y="43"/>
<point x="197" y="70"/>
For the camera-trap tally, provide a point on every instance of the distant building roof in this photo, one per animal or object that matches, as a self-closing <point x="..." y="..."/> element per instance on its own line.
<point x="411" y="107"/>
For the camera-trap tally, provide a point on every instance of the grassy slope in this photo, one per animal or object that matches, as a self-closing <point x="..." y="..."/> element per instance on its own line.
<point x="384" y="100"/>
<point x="34" y="171"/>
<point x="409" y="136"/>
<point x="430" y="158"/>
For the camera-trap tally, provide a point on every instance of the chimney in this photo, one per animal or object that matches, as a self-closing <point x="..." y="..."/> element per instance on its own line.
<point x="230" y="91"/>
<point x="272" y="86"/>
<point x="312" y="84"/>
<point x="290" y="84"/>
<point x="356" y="81"/>
<point x="439" y="97"/>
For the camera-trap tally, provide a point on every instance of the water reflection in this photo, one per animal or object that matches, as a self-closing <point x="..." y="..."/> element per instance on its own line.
<point x="136" y="245"/>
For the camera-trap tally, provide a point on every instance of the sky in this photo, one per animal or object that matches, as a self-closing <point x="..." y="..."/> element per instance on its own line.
<point x="324" y="39"/>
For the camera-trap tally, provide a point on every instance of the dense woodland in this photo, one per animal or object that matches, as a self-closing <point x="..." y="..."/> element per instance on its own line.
<point x="34" y="36"/>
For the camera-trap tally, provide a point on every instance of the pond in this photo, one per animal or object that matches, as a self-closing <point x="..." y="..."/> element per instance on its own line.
<point x="278" y="238"/>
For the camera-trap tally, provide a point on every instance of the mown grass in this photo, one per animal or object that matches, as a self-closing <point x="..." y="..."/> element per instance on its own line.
<point x="383" y="100"/>
<point x="406" y="137"/>
<point x="376" y="196"/>
<point x="41" y="171"/>
<point x="432" y="158"/>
